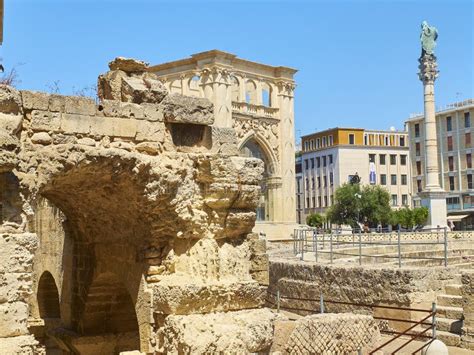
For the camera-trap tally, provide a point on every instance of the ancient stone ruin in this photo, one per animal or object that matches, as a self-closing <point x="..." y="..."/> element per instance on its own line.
<point x="126" y="225"/>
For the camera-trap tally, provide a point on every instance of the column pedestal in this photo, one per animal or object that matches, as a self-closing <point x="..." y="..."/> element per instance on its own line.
<point x="435" y="201"/>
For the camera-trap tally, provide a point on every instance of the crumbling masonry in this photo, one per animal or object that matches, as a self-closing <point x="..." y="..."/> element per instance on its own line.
<point x="125" y="225"/>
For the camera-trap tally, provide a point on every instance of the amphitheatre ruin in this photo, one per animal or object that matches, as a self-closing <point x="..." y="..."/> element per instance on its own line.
<point x="127" y="226"/>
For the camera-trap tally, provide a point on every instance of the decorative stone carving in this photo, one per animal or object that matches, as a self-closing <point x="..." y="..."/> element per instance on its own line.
<point x="428" y="68"/>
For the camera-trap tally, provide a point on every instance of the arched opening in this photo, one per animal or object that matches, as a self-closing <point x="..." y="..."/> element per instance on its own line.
<point x="48" y="297"/>
<point x="250" y="92"/>
<point x="194" y="88"/>
<point x="176" y="87"/>
<point x="253" y="149"/>
<point x="235" y="89"/>
<point x="266" y="95"/>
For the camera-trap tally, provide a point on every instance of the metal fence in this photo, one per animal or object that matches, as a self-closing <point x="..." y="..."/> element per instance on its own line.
<point x="413" y="332"/>
<point x="339" y="243"/>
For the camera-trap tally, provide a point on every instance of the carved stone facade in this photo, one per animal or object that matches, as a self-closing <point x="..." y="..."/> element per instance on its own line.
<point x="127" y="225"/>
<point x="257" y="100"/>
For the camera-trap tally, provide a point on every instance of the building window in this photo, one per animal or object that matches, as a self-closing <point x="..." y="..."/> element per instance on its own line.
<point x="418" y="185"/>
<point x="417" y="149"/>
<point x="383" y="179"/>
<point x="394" y="200"/>
<point x="468" y="139"/>
<point x="393" y="179"/>
<point x="319" y="181"/>
<point x="325" y="201"/>
<point x="307" y="184"/>
<point x="312" y="183"/>
<point x="351" y="139"/>
<point x="450" y="143"/>
<point x="371" y="158"/>
<point x="469" y="160"/>
<point x="449" y="124"/>
<point x="318" y="143"/>
<point x="393" y="159"/>
<point x="403" y="159"/>
<point x="313" y="199"/>
<point x="324" y="141"/>
<point x="325" y="180"/>
<point x="318" y="162"/>
<point x="307" y="202"/>
<point x="387" y="142"/>
<point x="366" y="140"/>
<point x="418" y="168"/>
<point x="467" y="119"/>
<point x="405" y="200"/>
<point x="331" y="178"/>
<point x="402" y="141"/>
<point x="306" y="164"/>
<point x="451" y="163"/>
<point x="331" y="140"/>
<point x="404" y="179"/>
<point x="453" y="203"/>
<point x="312" y="163"/>
<point x="451" y="183"/>
<point x="382" y="159"/>
<point x="319" y="201"/>
<point x="469" y="181"/>
<point x="305" y="146"/>
<point x="330" y="159"/>
<point x="324" y="161"/>
<point x="417" y="130"/>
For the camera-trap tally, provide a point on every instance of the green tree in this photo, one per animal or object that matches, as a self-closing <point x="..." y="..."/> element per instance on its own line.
<point x="346" y="206"/>
<point x="353" y="203"/>
<point x="315" y="220"/>
<point x="420" y="215"/>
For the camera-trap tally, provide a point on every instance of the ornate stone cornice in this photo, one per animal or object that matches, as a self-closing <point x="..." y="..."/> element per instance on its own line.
<point x="286" y="88"/>
<point x="428" y="68"/>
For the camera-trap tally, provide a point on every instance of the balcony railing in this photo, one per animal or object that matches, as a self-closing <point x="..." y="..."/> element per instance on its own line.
<point x="254" y="110"/>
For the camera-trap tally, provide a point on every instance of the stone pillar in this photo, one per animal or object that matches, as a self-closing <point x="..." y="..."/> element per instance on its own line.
<point x="287" y="151"/>
<point x="217" y="88"/>
<point x="433" y="197"/>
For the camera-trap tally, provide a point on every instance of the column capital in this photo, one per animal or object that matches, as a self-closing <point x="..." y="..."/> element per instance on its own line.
<point x="428" y="68"/>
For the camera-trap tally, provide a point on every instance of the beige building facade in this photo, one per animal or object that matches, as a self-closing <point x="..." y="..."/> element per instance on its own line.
<point x="331" y="157"/>
<point x="454" y="148"/>
<point x="257" y="101"/>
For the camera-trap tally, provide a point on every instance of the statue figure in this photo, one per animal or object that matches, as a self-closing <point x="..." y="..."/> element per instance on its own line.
<point x="428" y="37"/>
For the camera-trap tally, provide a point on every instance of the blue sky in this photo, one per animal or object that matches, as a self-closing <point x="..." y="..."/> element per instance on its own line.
<point x="357" y="60"/>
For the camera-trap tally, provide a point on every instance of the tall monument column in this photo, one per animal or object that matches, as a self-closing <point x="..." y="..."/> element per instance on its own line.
<point x="433" y="196"/>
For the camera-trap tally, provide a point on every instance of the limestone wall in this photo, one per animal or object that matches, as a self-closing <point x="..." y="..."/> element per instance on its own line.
<point x="125" y="214"/>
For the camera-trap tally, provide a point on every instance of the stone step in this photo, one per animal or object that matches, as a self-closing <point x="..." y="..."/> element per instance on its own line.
<point x="449" y="312"/>
<point x="453" y="289"/>
<point x="449" y="325"/>
<point x="448" y="338"/>
<point x="449" y="300"/>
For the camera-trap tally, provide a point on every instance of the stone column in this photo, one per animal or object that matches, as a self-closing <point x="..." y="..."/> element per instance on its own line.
<point x="433" y="197"/>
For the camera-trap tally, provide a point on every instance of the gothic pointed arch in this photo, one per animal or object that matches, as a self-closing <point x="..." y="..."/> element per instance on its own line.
<point x="48" y="297"/>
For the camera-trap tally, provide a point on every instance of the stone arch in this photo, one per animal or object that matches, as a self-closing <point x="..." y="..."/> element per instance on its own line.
<point x="267" y="92"/>
<point x="250" y="92"/>
<point x="176" y="86"/>
<point x="256" y="146"/>
<point x="235" y="87"/>
<point x="194" y="88"/>
<point x="48" y="297"/>
<point x="271" y="162"/>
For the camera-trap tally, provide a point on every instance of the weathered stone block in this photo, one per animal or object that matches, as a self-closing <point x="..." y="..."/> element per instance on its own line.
<point x="187" y="298"/>
<point x="150" y="131"/>
<point x="33" y="100"/>
<point x="152" y="112"/>
<point x="102" y="126"/>
<point x="248" y="331"/>
<point x="186" y="109"/>
<point x="13" y="319"/>
<point x="57" y="103"/>
<point x="10" y="100"/>
<point x="80" y="105"/>
<point x="45" y="120"/>
<point x="16" y="252"/>
<point x="11" y="123"/>
<point x="41" y="138"/>
<point x="124" y="127"/>
<point x="259" y="262"/>
<point x="24" y="344"/>
<point x="75" y="123"/>
<point x="223" y="135"/>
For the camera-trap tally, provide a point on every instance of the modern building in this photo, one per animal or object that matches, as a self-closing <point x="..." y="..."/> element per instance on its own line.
<point x="455" y="151"/>
<point x="257" y="101"/>
<point x="299" y="190"/>
<point x="332" y="157"/>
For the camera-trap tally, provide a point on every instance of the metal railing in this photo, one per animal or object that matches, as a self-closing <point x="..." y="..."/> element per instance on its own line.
<point x="339" y="243"/>
<point x="410" y="331"/>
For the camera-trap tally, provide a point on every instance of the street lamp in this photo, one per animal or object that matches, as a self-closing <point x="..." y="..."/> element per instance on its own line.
<point x="358" y="196"/>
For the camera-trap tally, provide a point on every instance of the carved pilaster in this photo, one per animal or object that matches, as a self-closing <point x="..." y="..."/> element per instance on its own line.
<point x="428" y="68"/>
